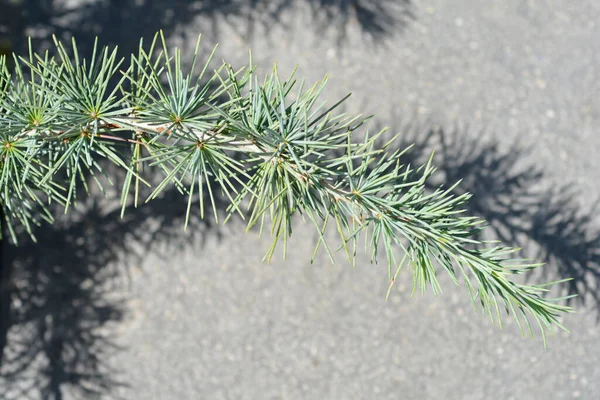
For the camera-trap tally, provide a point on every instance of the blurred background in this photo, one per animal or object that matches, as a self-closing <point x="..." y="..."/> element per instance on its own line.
<point x="505" y="93"/>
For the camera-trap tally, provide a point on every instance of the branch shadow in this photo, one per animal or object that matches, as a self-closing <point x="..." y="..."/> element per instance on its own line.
<point x="521" y="204"/>
<point x="376" y="20"/>
<point x="115" y="20"/>
<point x="66" y="293"/>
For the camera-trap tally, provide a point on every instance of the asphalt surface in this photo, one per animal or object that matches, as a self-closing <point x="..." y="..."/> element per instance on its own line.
<point x="506" y="93"/>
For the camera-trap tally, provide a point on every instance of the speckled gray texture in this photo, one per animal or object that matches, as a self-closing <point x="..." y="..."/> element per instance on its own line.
<point x="209" y="321"/>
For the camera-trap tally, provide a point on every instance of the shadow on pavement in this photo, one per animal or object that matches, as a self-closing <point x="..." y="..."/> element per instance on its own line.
<point x="124" y="22"/>
<point x="64" y="293"/>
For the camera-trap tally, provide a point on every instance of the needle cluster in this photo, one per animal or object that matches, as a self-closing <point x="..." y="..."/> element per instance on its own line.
<point x="271" y="148"/>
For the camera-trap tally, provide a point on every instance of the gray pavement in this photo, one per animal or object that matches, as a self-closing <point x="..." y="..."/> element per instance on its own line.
<point x="506" y="93"/>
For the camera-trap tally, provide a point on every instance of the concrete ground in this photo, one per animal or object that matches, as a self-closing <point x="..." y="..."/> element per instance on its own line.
<point x="506" y="93"/>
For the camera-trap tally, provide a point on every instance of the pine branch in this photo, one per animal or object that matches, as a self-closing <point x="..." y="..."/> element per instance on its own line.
<point x="276" y="154"/>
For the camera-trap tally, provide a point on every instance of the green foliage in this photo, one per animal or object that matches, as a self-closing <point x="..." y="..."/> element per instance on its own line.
<point x="273" y="149"/>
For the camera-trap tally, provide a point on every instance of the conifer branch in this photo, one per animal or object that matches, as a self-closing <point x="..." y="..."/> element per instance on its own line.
<point x="275" y="153"/>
